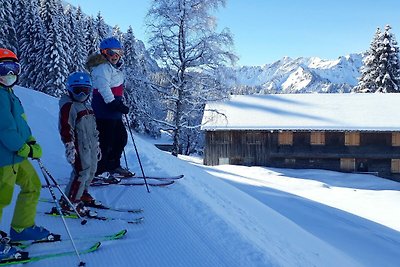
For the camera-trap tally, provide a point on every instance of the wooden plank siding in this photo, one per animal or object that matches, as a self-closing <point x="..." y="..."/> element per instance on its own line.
<point x="367" y="151"/>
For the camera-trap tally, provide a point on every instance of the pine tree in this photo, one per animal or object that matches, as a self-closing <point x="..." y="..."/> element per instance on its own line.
<point x="102" y="28"/>
<point x="31" y="43"/>
<point x="8" y="38"/>
<point x="117" y="33"/>
<point x="92" y="37"/>
<point x="185" y="42"/>
<point x="80" y="51"/>
<point x="381" y="69"/>
<point x="77" y="43"/>
<point x="138" y="94"/>
<point x="388" y="80"/>
<point x="54" y="56"/>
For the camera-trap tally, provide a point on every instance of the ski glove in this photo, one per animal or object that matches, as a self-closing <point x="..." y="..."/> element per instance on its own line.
<point x="118" y="105"/>
<point x="31" y="150"/>
<point x="70" y="152"/>
<point x="99" y="155"/>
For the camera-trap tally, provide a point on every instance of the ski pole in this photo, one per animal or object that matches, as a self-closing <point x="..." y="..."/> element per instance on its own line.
<point x="81" y="263"/>
<point x="136" y="150"/>
<point x="43" y="168"/>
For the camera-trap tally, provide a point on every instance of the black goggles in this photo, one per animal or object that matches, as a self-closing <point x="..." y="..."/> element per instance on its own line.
<point x="9" y="67"/>
<point x="81" y="90"/>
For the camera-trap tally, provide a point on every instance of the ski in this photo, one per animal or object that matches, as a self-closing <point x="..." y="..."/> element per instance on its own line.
<point x="150" y="177"/>
<point x="25" y="244"/>
<point x="161" y="177"/>
<point x="165" y="180"/>
<point x="133" y="183"/>
<point x="71" y="215"/>
<point x="90" y="249"/>
<point x="101" y="207"/>
<point x="98" y="238"/>
<point x="104" y="207"/>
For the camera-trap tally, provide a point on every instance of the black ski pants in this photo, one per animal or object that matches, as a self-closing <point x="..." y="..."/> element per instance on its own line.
<point x="113" y="138"/>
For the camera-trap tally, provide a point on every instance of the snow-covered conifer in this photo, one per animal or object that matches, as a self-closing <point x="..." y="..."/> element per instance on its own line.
<point x="54" y="56"/>
<point x="388" y="79"/>
<point x="31" y="43"/>
<point x="139" y="96"/>
<point x="381" y="69"/>
<point x="92" y="37"/>
<point x="102" y="28"/>
<point x="8" y="38"/>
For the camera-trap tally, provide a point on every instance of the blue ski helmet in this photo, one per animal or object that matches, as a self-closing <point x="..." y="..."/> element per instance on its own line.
<point x="110" y="43"/>
<point x="79" y="85"/>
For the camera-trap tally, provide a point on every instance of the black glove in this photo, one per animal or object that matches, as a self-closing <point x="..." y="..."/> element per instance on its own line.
<point x="118" y="105"/>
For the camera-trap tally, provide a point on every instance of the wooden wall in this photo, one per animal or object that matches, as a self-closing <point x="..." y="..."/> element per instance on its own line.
<point x="261" y="148"/>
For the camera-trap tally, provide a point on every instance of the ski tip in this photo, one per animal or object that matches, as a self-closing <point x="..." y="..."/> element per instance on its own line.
<point x="121" y="233"/>
<point x="96" y="246"/>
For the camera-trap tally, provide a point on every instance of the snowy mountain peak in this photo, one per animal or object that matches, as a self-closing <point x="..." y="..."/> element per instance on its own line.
<point x="301" y="75"/>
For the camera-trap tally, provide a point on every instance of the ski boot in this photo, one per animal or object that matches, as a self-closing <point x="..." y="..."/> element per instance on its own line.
<point x="120" y="172"/>
<point x="106" y="177"/>
<point x="89" y="201"/>
<point x="8" y="253"/>
<point x="35" y="233"/>
<point x="79" y="206"/>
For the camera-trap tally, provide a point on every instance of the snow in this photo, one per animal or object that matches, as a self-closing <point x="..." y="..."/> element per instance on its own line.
<point x="291" y="75"/>
<point x="341" y="112"/>
<point x="225" y="215"/>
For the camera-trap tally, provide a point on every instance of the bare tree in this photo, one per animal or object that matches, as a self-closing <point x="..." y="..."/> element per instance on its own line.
<point x="184" y="41"/>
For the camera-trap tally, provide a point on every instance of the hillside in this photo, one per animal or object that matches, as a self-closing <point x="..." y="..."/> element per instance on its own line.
<point x="227" y="215"/>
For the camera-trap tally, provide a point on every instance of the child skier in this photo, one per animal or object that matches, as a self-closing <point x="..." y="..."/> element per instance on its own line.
<point x="77" y="126"/>
<point x="16" y="145"/>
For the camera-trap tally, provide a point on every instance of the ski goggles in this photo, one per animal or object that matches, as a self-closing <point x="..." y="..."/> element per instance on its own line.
<point x="113" y="52"/>
<point x="10" y="67"/>
<point x="81" y="90"/>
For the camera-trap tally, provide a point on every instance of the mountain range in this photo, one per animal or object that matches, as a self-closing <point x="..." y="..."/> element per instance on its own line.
<point x="300" y="75"/>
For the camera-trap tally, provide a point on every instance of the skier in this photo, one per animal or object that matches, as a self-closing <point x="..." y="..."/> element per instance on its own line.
<point x="77" y="126"/>
<point x="108" y="107"/>
<point x="16" y="145"/>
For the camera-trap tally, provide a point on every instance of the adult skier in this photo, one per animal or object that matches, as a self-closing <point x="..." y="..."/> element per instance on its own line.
<point x="108" y="107"/>
<point x="17" y="145"/>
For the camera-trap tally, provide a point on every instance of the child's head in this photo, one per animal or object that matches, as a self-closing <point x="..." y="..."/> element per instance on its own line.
<point x="9" y="68"/>
<point x="111" y="49"/>
<point x="79" y="86"/>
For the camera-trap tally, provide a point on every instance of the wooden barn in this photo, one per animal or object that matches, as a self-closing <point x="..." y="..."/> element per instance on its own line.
<point x="341" y="132"/>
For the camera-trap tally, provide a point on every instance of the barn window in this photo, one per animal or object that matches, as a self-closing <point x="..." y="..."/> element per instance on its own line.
<point x="395" y="139"/>
<point x="347" y="164"/>
<point x="317" y="138"/>
<point x="285" y="138"/>
<point x="395" y="168"/>
<point x="223" y="161"/>
<point x="352" y="139"/>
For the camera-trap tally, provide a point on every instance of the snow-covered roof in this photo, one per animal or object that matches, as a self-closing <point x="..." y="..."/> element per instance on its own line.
<point x="335" y="112"/>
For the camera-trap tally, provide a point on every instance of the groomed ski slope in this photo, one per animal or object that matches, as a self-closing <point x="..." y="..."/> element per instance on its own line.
<point x="207" y="218"/>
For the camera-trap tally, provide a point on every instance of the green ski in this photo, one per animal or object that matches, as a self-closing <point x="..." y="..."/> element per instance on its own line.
<point x="99" y="238"/>
<point x="52" y="255"/>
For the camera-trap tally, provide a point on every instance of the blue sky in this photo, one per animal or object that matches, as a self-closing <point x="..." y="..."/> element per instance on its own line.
<point x="267" y="30"/>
